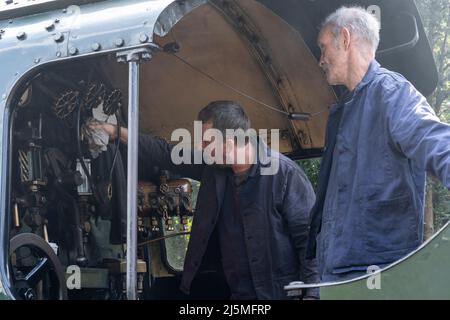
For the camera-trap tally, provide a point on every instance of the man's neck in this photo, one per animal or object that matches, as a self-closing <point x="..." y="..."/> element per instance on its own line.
<point x="356" y="72"/>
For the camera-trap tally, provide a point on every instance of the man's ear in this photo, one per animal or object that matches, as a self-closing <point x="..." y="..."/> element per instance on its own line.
<point x="229" y="150"/>
<point x="346" y="38"/>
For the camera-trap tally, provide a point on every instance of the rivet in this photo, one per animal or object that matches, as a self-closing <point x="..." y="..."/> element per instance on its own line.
<point x="21" y="35"/>
<point x="10" y="21"/>
<point x="50" y="26"/>
<point x="119" y="42"/>
<point x="143" y="38"/>
<point x="58" y="54"/>
<point x="58" y="37"/>
<point x="64" y="11"/>
<point x="37" y="60"/>
<point x="73" y="51"/>
<point x="95" y="46"/>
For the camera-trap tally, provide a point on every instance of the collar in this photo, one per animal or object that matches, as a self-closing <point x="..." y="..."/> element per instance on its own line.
<point x="347" y="96"/>
<point x="374" y="66"/>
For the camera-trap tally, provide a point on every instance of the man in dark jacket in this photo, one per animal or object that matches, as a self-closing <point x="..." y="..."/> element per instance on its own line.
<point x="381" y="139"/>
<point x="262" y="220"/>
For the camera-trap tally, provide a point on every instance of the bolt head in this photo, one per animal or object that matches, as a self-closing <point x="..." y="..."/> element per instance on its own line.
<point x="143" y="38"/>
<point x="58" y="37"/>
<point x="37" y="60"/>
<point x="21" y="35"/>
<point x="50" y="26"/>
<point x="73" y="51"/>
<point x="58" y="54"/>
<point x="119" y="42"/>
<point x="96" y="46"/>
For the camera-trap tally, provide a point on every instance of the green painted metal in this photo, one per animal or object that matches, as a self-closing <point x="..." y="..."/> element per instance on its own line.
<point x="92" y="278"/>
<point x="3" y="296"/>
<point x="422" y="275"/>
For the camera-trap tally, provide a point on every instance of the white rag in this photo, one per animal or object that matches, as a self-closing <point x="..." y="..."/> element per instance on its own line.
<point x="97" y="137"/>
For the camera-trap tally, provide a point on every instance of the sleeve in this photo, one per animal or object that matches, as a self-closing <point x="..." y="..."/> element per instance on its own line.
<point x="417" y="132"/>
<point x="155" y="151"/>
<point x="298" y="200"/>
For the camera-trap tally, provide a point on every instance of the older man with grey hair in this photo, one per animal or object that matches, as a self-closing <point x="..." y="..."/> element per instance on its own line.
<point x="382" y="137"/>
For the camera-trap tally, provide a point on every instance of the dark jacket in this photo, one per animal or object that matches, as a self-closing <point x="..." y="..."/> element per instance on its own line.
<point x="276" y="217"/>
<point x="383" y="138"/>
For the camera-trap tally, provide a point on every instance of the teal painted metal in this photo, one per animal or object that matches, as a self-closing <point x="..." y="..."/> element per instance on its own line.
<point x="422" y="275"/>
<point x="3" y="295"/>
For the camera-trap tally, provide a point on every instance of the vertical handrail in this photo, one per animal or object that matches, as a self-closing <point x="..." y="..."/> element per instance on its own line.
<point x="133" y="58"/>
<point x="133" y="130"/>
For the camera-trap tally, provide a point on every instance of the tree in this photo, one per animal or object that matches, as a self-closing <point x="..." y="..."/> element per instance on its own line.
<point x="311" y="168"/>
<point x="436" y="19"/>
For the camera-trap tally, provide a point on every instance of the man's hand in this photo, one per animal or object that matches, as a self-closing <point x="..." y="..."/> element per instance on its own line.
<point x="109" y="128"/>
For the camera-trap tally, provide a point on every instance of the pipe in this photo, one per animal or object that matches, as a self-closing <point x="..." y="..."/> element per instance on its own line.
<point x="132" y="178"/>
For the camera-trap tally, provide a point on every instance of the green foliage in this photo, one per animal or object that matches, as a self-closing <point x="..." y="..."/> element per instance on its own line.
<point x="311" y="168"/>
<point x="436" y="20"/>
<point x="441" y="205"/>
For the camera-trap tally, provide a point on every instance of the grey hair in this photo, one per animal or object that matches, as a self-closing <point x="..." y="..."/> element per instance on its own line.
<point x="360" y="23"/>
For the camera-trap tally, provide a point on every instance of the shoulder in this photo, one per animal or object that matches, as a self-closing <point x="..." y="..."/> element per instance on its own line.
<point x="293" y="182"/>
<point x="392" y="92"/>
<point x="287" y="167"/>
<point x="390" y="81"/>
